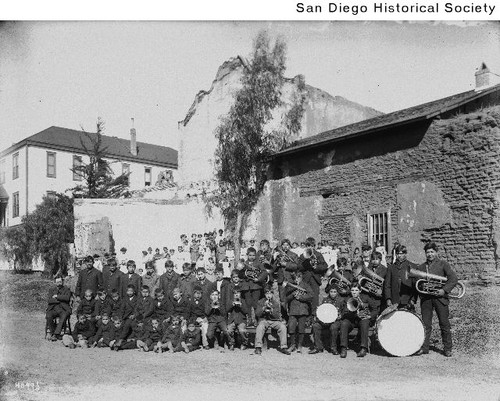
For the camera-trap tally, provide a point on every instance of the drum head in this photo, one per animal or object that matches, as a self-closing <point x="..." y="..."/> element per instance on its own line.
<point x="400" y="333"/>
<point x="327" y="313"/>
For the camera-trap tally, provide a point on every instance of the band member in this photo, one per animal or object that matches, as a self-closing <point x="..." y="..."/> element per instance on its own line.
<point x="313" y="266"/>
<point x="341" y="279"/>
<point x="318" y="326"/>
<point x="269" y="314"/>
<point x="438" y="302"/>
<point x="264" y="256"/>
<point x="377" y="288"/>
<point x="398" y="287"/>
<point x="256" y="277"/>
<point x="360" y="312"/>
<point x="285" y="263"/>
<point x="366" y="253"/>
<point x="298" y="296"/>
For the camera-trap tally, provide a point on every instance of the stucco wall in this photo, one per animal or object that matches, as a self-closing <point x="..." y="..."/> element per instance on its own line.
<point x="197" y="139"/>
<point x="137" y="224"/>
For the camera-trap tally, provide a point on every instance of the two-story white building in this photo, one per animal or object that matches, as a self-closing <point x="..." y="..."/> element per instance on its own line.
<point x="42" y="164"/>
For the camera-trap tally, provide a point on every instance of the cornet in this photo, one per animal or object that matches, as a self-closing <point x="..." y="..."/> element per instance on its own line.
<point x="237" y="298"/>
<point x="268" y="306"/>
<point x="313" y="259"/>
<point x="252" y="274"/>
<point x="281" y="256"/>
<point x="430" y="284"/>
<point x="371" y="282"/>
<point x="299" y="291"/>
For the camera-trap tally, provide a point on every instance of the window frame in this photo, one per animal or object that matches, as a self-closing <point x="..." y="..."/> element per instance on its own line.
<point x="15" y="205"/>
<point x="49" y="174"/>
<point x="146" y="184"/>
<point x="15" y="166"/>
<point x="76" y="175"/>
<point x="3" y="163"/>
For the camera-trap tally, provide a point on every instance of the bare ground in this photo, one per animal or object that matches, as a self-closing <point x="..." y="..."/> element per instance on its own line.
<point x="58" y="373"/>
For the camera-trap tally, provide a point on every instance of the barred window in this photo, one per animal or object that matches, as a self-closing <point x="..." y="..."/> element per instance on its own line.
<point x="378" y="229"/>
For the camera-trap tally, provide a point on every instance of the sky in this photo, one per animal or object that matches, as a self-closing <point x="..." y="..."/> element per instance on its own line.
<point x="69" y="73"/>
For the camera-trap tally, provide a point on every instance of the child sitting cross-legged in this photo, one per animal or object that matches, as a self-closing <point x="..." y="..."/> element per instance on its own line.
<point x="152" y="337"/>
<point x="82" y="332"/>
<point x="190" y="339"/>
<point x="104" y="333"/>
<point x="172" y="336"/>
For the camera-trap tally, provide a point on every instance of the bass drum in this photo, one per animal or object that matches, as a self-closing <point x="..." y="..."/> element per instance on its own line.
<point x="400" y="333"/>
<point x="327" y="313"/>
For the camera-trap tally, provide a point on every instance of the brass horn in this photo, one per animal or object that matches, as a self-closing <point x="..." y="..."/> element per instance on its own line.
<point x="353" y="304"/>
<point x="371" y="282"/>
<point x="338" y="280"/>
<point x="430" y="284"/>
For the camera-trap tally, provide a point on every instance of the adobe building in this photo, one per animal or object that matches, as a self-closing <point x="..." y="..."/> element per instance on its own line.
<point x="429" y="172"/>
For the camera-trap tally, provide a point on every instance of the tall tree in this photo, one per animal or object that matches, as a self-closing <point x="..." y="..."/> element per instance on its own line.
<point x="245" y="136"/>
<point x="98" y="181"/>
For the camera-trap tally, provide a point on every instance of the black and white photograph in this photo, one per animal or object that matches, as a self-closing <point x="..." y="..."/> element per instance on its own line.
<point x="249" y="210"/>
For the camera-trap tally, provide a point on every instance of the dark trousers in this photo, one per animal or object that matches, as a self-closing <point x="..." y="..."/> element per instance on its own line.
<point x="129" y="344"/>
<point x="334" y="329"/>
<point x="297" y="324"/>
<point x="252" y="297"/>
<point x="347" y="325"/>
<point x="442" y="312"/>
<point x="212" y="326"/>
<point x="51" y="315"/>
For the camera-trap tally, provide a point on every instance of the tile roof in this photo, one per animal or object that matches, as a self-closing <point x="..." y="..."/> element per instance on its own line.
<point x="71" y="140"/>
<point x="421" y="112"/>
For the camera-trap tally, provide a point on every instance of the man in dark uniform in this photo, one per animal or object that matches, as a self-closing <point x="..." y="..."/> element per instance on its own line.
<point x="58" y="306"/>
<point x="256" y="277"/>
<point x="313" y="266"/>
<point x="113" y="278"/>
<point x="438" y="302"/>
<point x="375" y="266"/>
<point x="285" y="263"/>
<point x="398" y="287"/>
<point x="89" y="278"/>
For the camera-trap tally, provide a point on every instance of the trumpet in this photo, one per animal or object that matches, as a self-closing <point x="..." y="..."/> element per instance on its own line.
<point x="237" y="298"/>
<point x="268" y="306"/>
<point x="338" y="280"/>
<point x="430" y="284"/>
<point x="299" y="291"/>
<point x="371" y="282"/>
<point x="313" y="259"/>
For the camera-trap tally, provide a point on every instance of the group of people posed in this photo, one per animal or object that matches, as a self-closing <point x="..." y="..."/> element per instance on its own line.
<point x="271" y="288"/>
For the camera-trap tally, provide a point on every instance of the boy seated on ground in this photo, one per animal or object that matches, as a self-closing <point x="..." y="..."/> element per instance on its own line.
<point x="58" y="307"/>
<point x="172" y="336"/>
<point x="190" y="339"/>
<point x="82" y="332"/>
<point x="137" y="336"/>
<point x="152" y="337"/>
<point x="118" y="334"/>
<point x="87" y="306"/>
<point x="104" y="333"/>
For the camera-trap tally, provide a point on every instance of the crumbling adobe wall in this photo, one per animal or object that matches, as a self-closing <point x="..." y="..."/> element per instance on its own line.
<point x="439" y="182"/>
<point x="197" y="139"/>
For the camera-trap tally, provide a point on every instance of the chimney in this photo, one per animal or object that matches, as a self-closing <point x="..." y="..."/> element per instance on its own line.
<point x="133" y="140"/>
<point x="485" y="78"/>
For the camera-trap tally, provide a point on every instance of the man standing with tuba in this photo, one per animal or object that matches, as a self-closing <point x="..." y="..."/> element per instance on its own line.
<point x="438" y="302"/>
<point x="398" y="287"/>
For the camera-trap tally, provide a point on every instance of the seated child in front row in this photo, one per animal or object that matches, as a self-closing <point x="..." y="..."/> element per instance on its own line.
<point x="82" y="332"/>
<point x="87" y="306"/>
<point x="137" y="335"/>
<point x="190" y="339"/>
<point x="118" y="335"/>
<point x="104" y="333"/>
<point x="152" y="337"/>
<point x="172" y="337"/>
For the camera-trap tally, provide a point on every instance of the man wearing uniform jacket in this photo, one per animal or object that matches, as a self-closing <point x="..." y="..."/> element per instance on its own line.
<point x="58" y="306"/>
<point x="89" y="278"/>
<point x="438" y="302"/>
<point x="313" y="266"/>
<point x="398" y="287"/>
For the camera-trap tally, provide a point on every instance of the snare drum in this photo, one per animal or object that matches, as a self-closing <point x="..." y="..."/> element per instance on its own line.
<point x="327" y="313"/>
<point x="400" y="333"/>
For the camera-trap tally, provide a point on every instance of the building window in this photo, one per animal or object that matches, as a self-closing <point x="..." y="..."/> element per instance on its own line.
<point x="126" y="171"/>
<point x="15" y="166"/>
<point x="51" y="164"/>
<point x="51" y="194"/>
<point x="15" y="204"/>
<point x="147" y="176"/>
<point x="77" y="172"/>
<point x="378" y="229"/>
<point x="2" y="171"/>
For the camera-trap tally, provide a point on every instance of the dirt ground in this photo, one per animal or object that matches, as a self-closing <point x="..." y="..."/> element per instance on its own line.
<point x="32" y="368"/>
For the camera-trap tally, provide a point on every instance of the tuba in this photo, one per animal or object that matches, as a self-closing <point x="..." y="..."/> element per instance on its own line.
<point x="371" y="282"/>
<point x="338" y="280"/>
<point x="430" y="284"/>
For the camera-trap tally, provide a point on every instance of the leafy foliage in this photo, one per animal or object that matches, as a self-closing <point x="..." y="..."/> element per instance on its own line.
<point x="44" y="233"/>
<point x="245" y="136"/>
<point x="98" y="181"/>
